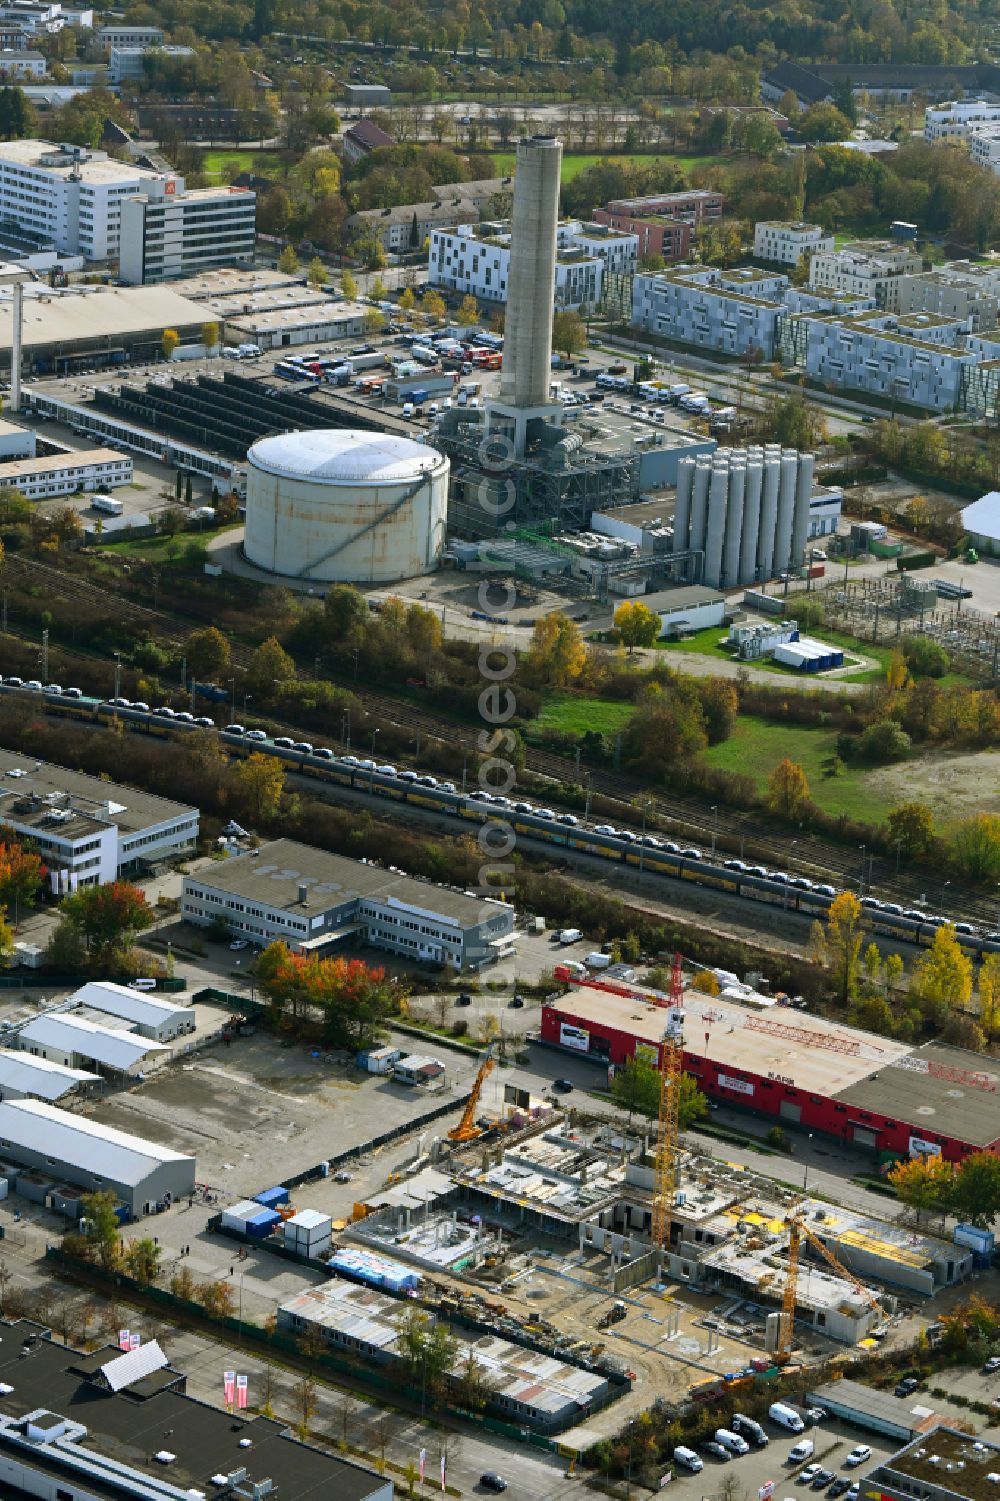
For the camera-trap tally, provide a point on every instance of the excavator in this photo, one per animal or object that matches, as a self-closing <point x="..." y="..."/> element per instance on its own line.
<point x="467" y="1130"/>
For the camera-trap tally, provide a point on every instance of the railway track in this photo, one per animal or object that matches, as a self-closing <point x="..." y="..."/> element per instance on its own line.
<point x="730" y="830"/>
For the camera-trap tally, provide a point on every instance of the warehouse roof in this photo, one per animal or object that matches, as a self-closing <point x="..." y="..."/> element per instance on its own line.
<point x="39" y="1076"/>
<point x="72" y="1034"/>
<point x="25" y="781"/>
<point x="665" y="601"/>
<point x="79" y="1142"/>
<point x="906" y="1416"/>
<point x="124" y="1431"/>
<point x="940" y="1091"/>
<point x="142" y="1009"/>
<point x="804" y="1050"/>
<point x="983" y="516"/>
<point x="98" y="313"/>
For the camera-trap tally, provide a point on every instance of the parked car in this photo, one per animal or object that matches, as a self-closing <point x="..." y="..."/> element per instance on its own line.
<point x="821" y="1480"/>
<point x="839" y="1486"/>
<point x="908" y="1385"/>
<point x="491" y="1481"/>
<point x="857" y="1456"/>
<point x="564" y="1086"/>
<point x="993" y="1364"/>
<point x="716" y="1450"/>
<point x="809" y="1474"/>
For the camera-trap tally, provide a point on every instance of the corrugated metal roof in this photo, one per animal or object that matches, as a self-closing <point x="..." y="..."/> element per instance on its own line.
<point x="983" y="516"/>
<point x="39" y="1076"/>
<point x="113" y="1048"/>
<point x="131" y="1005"/>
<point x="78" y="1142"/>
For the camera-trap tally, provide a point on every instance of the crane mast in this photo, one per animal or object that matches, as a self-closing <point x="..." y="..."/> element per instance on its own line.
<point x="667" y="1150"/>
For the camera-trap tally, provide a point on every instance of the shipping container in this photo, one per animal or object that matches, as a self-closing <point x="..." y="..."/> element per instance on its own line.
<point x="272" y="1197"/>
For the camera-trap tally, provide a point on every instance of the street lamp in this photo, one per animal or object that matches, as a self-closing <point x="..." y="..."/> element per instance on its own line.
<point x="863" y="849"/>
<point x="628" y="1472"/>
<point x="714" y="810"/>
<point x="805" y="1175"/>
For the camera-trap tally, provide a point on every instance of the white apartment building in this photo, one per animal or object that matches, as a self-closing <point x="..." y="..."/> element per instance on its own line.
<point x="167" y="232"/>
<point x="957" y="289"/>
<point x="957" y="119"/>
<point x="129" y="36"/>
<point x="67" y="473"/>
<point x="786" y="243"/>
<point x="16" y="63"/>
<point x="915" y="359"/>
<point x="68" y="195"/>
<point x="864" y="268"/>
<point x="88" y="831"/>
<point x="984" y="146"/>
<point x="475" y="258"/>
<point x="127" y="64"/>
<point x="729" y="311"/>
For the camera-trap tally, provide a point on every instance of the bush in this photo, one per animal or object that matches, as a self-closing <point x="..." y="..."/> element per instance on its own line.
<point x="925" y="657"/>
<point x="884" y="741"/>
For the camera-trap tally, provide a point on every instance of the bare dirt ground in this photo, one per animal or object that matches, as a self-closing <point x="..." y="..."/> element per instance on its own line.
<point x="955" y="786"/>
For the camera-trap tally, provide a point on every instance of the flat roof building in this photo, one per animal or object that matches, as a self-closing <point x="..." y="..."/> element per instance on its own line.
<point x="44" y="478"/>
<point x="141" y="1173"/>
<point x="89" y="831"/>
<point x="941" y="1464"/>
<point x="70" y="194"/>
<point x="310" y="899"/>
<point x="71" y="1040"/>
<point x="95" y="325"/>
<point x="92" y="1425"/>
<point x="170" y="231"/>
<point x="786" y="243"/>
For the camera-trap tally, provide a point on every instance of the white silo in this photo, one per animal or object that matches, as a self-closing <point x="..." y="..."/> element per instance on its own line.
<point x="751" y="515"/>
<point x="339" y="504"/>
<point x="734" y="521"/>
<point x="718" y="494"/>
<point x="682" y="509"/>
<point x="768" y="510"/>
<point x="786" y="509"/>
<point x="800" y="518"/>
<point x="699" y="504"/>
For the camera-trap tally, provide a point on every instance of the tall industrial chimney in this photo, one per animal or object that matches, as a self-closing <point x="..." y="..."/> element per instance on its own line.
<point x="527" y="353"/>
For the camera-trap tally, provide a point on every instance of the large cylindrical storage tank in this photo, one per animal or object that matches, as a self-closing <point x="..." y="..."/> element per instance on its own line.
<point x="335" y="504"/>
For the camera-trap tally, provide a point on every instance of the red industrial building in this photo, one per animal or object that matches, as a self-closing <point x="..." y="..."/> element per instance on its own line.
<point x="802" y="1070"/>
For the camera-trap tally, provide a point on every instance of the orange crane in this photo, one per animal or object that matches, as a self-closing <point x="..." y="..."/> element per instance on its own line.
<point x="799" y="1231"/>
<point x="467" y="1130"/>
<point x="667" y="1163"/>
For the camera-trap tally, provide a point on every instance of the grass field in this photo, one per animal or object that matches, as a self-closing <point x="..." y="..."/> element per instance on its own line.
<point x="757" y="745"/>
<point x="575" y="715"/>
<point x="155" y="549"/>
<point x="213" y="161"/>
<point x="708" y="643"/>
<point x="573" y="165"/>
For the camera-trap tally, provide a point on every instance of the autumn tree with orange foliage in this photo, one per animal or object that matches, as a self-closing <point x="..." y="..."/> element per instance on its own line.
<point x="21" y="875"/>
<point x="351" y="999"/>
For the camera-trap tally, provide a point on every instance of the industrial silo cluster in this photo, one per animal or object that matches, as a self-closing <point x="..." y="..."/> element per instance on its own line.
<point x="746" y="510"/>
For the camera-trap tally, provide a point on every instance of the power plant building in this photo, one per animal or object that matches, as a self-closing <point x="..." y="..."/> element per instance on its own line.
<point x="340" y="504"/>
<point x="746" y="511"/>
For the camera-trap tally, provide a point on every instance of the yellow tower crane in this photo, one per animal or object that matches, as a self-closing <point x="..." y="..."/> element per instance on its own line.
<point x="799" y="1231"/>
<point x="467" y="1130"/>
<point x="667" y="1154"/>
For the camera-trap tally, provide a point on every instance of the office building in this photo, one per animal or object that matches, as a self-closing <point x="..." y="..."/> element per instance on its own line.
<point x="168" y="231"/>
<point x="75" y="1149"/>
<point x="44" y="478"/>
<point x="89" y="831"/>
<point x="69" y="195"/>
<point x="19" y="66"/>
<point x="865" y="268"/>
<point x="106" y="1424"/>
<point x="128" y="64"/>
<point x="956" y="289"/>
<point x="984" y="146"/>
<point x="114" y="35"/>
<point x="785" y="243"/>
<point x="915" y="359"/>
<point x="732" y="312"/>
<point x="940" y="1463"/>
<point x="312" y="901"/>
<point x="959" y="119"/>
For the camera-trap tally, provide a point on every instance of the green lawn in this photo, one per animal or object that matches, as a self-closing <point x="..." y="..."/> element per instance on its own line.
<point x="247" y="161"/>
<point x="573" y="165"/>
<point x="575" y="714"/>
<point x="709" y="643"/>
<point x="155" y="549"/>
<point x="757" y="745"/>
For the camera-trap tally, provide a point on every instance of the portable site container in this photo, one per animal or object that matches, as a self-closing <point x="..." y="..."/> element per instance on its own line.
<point x="374" y="1271"/>
<point x="272" y="1197"/>
<point x="236" y="1217"/>
<point x="308" y="1233"/>
<point x="262" y="1224"/>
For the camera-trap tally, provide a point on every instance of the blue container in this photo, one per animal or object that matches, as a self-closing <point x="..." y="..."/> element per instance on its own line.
<point x="262" y="1224"/>
<point x="272" y="1197"/>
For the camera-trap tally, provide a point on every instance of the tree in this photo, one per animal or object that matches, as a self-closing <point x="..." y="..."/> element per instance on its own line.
<point x="21" y="876"/>
<point x="666" y="731"/>
<point x="911" y="827"/>
<point x="976" y="847"/>
<point x="787" y="789"/>
<point x="637" y="624"/>
<point x="208" y="654"/>
<point x="216" y="1298"/>
<point x="352" y="999"/>
<point x="432" y="305"/>
<point x="270" y="669"/>
<point x="557" y="654"/>
<point x="211" y="336"/>
<point x="187" y="490"/>
<point x="636" y="1086"/>
<point x="823" y="121"/>
<point x="925" y="1183"/>
<point x="467" y="315"/>
<point x="989" y="994"/>
<point x="261" y="784"/>
<point x="100" y="1215"/>
<point x="348" y="286"/>
<point x="428" y="1351"/>
<point x="925" y="657"/>
<point x="842" y="942"/>
<point x="169" y="341"/>
<point x="107" y="918"/>
<point x="316" y="273"/>
<point x="142" y="1260"/>
<point x="288" y="261"/>
<point x="18" y="119"/>
<point x="692" y="1105"/>
<point x="569" y="332"/>
<point x="977" y="1189"/>
<point x="346" y="612"/>
<point x="883" y="741"/>
<point x="373" y="321"/>
<point x="942" y="977"/>
<point x="424" y="630"/>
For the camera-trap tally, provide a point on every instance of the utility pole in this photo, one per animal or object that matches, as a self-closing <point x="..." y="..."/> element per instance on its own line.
<point x="45" y="655"/>
<point x="118" y="674"/>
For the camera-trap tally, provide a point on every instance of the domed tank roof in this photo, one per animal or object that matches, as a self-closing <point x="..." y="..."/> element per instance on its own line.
<point x="343" y="456"/>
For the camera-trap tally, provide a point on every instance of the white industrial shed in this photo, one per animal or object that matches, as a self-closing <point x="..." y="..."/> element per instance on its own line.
<point x="981" y="523"/>
<point x="21" y="1076"/>
<point x="151" y="1016"/>
<point x="94" y="1157"/>
<point x="73" y="1041"/>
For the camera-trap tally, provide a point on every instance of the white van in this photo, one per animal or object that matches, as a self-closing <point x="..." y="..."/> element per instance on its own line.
<point x="568" y="935"/>
<point x="785" y="1417"/>
<point x="597" y="960"/>
<point x="688" y="1459"/>
<point x="800" y="1452"/>
<point x="142" y="984"/>
<point x="731" y="1441"/>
